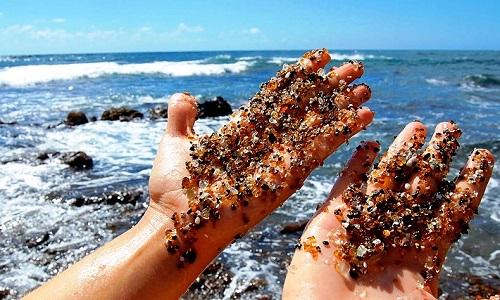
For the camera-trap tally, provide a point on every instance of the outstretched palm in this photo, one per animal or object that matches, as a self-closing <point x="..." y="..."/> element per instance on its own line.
<point x="221" y="168"/>
<point x="385" y="233"/>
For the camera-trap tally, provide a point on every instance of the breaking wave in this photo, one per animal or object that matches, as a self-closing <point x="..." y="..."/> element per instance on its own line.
<point x="436" y="82"/>
<point x="35" y="74"/>
<point x="481" y="80"/>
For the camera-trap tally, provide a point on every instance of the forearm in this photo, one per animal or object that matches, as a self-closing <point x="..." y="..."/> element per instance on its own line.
<point x="134" y="265"/>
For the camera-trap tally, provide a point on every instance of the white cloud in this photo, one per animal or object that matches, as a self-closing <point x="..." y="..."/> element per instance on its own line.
<point x="145" y="29"/>
<point x="251" y="31"/>
<point x="98" y="34"/>
<point x="183" y="28"/>
<point x="58" y="34"/>
<point x="16" y="29"/>
<point x="33" y="32"/>
<point x="59" y="20"/>
<point x="254" y="30"/>
<point x="49" y="34"/>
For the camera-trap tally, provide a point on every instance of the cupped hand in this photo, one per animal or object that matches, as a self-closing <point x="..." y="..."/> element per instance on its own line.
<point x="384" y="232"/>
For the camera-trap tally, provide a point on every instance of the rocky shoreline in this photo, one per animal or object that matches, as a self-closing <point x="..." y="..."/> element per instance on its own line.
<point x="216" y="107"/>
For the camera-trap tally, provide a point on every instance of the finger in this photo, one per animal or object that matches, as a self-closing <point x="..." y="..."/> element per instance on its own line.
<point x="353" y="173"/>
<point x="356" y="169"/>
<point x="471" y="183"/>
<point x="182" y="111"/>
<point x="434" y="165"/>
<point x="349" y="124"/>
<point x="389" y="172"/>
<point x="355" y="96"/>
<point x="464" y="200"/>
<point x="342" y="76"/>
<point x="307" y="66"/>
<point x="314" y="60"/>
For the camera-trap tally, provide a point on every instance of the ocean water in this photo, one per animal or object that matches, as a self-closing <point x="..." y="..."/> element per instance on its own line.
<point x="38" y="91"/>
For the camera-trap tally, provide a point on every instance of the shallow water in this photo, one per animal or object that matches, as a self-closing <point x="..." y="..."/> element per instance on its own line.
<point x="38" y="91"/>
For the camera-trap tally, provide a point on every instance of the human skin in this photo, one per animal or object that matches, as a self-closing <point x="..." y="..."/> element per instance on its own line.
<point x="137" y="265"/>
<point x="398" y="273"/>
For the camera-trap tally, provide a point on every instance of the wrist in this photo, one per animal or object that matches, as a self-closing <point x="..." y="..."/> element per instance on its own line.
<point x="188" y="260"/>
<point x="157" y="218"/>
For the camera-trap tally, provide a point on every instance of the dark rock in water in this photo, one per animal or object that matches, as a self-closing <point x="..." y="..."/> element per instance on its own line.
<point x="483" y="287"/>
<point x="254" y="285"/>
<point x="4" y="292"/>
<point x="32" y="158"/>
<point x="208" y="109"/>
<point x="250" y="289"/>
<point x="44" y="260"/>
<point x="121" y="197"/>
<point x="46" y="155"/>
<point x="121" y="114"/>
<point x="158" y="112"/>
<point x="294" y="227"/>
<point x="7" y="123"/>
<point x="75" y="118"/>
<point x="77" y="160"/>
<point x="38" y="240"/>
<point x="470" y="286"/>
<point x="211" y="283"/>
<point x="14" y="160"/>
<point x="214" y="108"/>
<point x="93" y="119"/>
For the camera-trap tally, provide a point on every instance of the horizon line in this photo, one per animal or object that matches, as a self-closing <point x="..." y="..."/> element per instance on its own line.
<point x="247" y="50"/>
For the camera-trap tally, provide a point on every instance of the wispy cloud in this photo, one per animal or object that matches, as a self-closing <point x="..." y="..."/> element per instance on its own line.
<point x="145" y="29"/>
<point x="59" y="20"/>
<point x="94" y="34"/>
<point x="251" y="31"/>
<point x="33" y="32"/>
<point x="183" y="28"/>
<point x="16" y="29"/>
<point x="49" y="34"/>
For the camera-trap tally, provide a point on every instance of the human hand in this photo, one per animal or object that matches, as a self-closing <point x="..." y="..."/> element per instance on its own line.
<point x="325" y="103"/>
<point x="385" y="233"/>
<point x="177" y="237"/>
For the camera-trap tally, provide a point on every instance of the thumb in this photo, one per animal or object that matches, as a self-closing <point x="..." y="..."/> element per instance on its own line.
<point x="182" y="112"/>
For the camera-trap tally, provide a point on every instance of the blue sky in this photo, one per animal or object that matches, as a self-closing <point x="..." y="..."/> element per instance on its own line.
<point x="62" y="26"/>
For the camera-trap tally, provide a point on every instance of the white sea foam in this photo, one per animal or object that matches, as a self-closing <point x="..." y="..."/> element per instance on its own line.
<point x="249" y="58"/>
<point x="152" y="100"/>
<point x="302" y="205"/>
<point x="245" y="268"/>
<point x="33" y="74"/>
<point x="489" y="204"/>
<point x="436" y="82"/>
<point x="7" y="59"/>
<point x="337" y="56"/>
<point x="358" y="56"/>
<point x="223" y="56"/>
<point x="115" y="147"/>
<point x="279" y="60"/>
